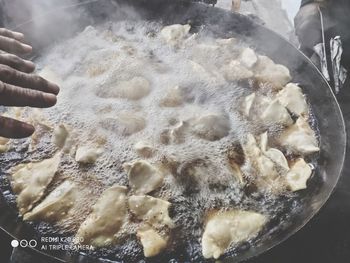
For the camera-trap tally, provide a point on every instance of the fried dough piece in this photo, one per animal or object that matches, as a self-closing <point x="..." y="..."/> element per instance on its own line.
<point x="152" y="242"/>
<point x="57" y="205"/>
<point x="144" y="177"/>
<point x="30" y="180"/>
<point x="107" y="217"/>
<point x="153" y="211"/>
<point x="225" y="229"/>
<point x="299" y="138"/>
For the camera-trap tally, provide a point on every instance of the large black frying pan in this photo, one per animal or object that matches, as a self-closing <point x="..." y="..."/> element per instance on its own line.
<point x="54" y="26"/>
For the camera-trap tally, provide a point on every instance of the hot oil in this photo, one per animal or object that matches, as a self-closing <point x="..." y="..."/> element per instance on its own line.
<point x="80" y="107"/>
<point x="200" y="180"/>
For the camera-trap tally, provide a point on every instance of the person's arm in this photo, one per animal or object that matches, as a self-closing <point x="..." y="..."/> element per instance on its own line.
<point x="305" y="2"/>
<point x="18" y="87"/>
<point x="308" y="26"/>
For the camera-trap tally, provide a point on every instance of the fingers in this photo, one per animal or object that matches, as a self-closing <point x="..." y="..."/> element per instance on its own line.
<point x="17" y="63"/>
<point x="10" y="128"/>
<point x="12" y="42"/>
<point x="14" y="46"/>
<point x="11" y="95"/>
<point x="17" y="88"/>
<point x="11" y="34"/>
<point x="28" y="81"/>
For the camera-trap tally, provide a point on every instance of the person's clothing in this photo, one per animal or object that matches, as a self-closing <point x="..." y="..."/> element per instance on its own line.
<point x="337" y="22"/>
<point x="308" y="27"/>
<point x="305" y="2"/>
<point x="322" y="29"/>
<point x="336" y="16"/>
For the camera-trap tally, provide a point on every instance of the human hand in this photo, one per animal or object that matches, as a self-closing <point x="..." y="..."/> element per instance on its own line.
<point x="18" y="87"/>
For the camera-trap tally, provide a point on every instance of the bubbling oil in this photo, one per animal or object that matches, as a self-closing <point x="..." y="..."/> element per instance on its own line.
<point x="98" y="59"/>
<point x="200" y="180"/>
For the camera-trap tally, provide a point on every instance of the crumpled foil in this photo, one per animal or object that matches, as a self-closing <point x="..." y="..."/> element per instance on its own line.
<point x="339" y="72"/>
<point x="336" y="51"/>
<point x="320" y="51"/>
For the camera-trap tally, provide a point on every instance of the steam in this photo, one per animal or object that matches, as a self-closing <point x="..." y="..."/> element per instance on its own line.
<point x="46" y="21"/>
<point x="42" y="21"/>
<point x="19" y="12"/>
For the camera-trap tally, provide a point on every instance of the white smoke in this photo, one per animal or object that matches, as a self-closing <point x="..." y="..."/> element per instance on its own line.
<point x="42" y="21"/>
<point x="46" y="21"/>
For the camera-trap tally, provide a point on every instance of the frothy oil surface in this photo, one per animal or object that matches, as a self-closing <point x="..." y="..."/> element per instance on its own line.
<point x="96" y="62"/>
